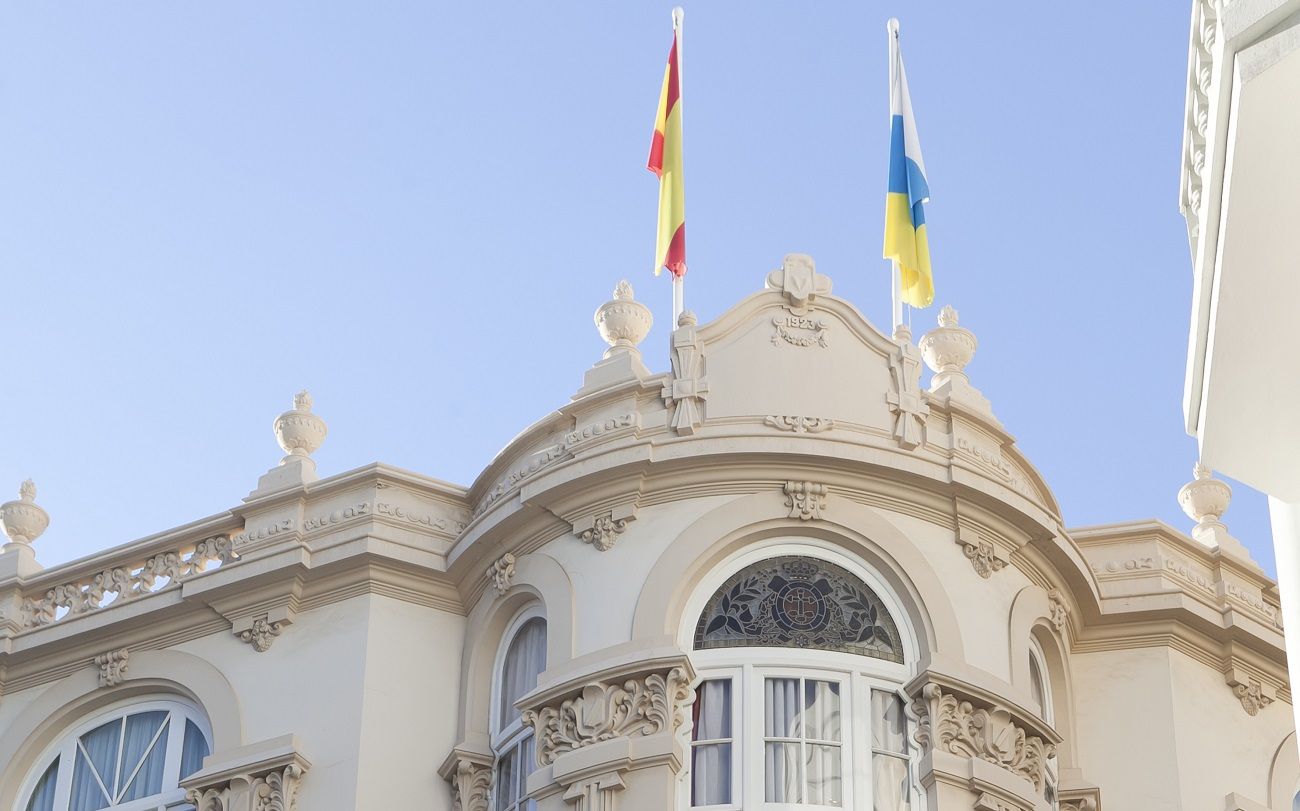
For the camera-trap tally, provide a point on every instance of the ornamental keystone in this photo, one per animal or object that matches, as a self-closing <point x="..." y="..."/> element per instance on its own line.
<point x="22" y="519"/>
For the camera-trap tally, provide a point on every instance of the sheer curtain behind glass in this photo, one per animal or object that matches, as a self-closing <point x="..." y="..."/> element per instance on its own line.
<point x="524" y="660"/>
<point x="802" y="760"/>
<point x="889" y="777"/>
<point x="711" y="738"/>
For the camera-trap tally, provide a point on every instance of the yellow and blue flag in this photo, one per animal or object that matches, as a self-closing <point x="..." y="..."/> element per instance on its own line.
<point x="905" y="238"/>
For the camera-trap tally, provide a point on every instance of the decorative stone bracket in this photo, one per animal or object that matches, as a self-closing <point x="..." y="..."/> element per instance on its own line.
<point x="985" y="556"/>
<point x="259" y="619"/>
<point x="470" y="776"/>
<point x="112" y="667"/>
<point x="1253" y="692"/>
<point x="806" y="500"/>
<point x="501" y="573"/>
<point x="259" y="777"/>
<point x="990" y="733"/>
<point x="601" y="530"/>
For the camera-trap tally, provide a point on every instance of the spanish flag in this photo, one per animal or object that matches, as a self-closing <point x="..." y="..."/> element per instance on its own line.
<point x="905" y="239"/>
<point x="666" y="162"/>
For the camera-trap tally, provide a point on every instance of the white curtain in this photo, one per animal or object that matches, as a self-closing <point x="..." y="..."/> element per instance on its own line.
<point x="43" y="796"/>
<point x="96" y="756"/>
<point x="194" y="750"/>
<point x="145" y="746"/>
<point x="822" y="723"/>
<point x="889" y="777"/>
<point x="711" y="762"/>
<point x="525" y="659"/>
<point x="781" y="760"/>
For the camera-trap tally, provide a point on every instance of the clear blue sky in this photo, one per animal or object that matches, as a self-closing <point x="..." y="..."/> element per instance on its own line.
<point x="413" y="208"/>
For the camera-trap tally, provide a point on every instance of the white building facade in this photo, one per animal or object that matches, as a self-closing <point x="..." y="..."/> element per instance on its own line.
<point x="780" y="576"/>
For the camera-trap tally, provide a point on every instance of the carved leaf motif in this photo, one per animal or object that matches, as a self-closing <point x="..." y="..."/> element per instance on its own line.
<point x="644" y="706"/>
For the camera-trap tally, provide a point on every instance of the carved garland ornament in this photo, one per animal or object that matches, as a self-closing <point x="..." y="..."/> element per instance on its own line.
<point x="639" y="706"/>
<point x="799" y="425"/>
<point x="991" y="735"/>
<point x="273" y="791"/>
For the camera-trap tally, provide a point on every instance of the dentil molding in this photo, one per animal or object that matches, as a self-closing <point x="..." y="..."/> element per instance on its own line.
<point x="601" y="711"/>
<point x="990" y="733"/>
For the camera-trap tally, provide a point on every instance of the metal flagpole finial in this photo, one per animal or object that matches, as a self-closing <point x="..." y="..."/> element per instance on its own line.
<point x="892" y="25"/>
<point x="679" y="14"/>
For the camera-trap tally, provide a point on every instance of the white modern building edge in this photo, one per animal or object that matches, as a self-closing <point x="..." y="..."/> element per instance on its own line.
<point x="780" y="575"/>
<point x="1241" y="170"/>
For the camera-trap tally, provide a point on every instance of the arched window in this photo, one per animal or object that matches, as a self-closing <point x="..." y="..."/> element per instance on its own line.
<point x="512" y="742"/>
<point x="131" y="758"/>
<point x="800" y="702"/>
<point x="1041" y="685"/>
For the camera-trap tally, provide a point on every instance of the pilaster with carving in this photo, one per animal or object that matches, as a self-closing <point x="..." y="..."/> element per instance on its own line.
<point x="689" y="388"/>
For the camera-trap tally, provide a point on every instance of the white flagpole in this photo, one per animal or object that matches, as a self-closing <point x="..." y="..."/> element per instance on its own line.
<point x="896" y="276"/>
<point x="679" y="282"/>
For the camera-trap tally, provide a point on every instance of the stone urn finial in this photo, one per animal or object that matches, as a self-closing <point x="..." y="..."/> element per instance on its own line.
<point x="23" y="520"/>
<point x="623" y="321"/>
<point x="948" y="349"/>
<point x="299" y="431"/>
<point x="1205" y="500"/>
<point x="687" y="319"/>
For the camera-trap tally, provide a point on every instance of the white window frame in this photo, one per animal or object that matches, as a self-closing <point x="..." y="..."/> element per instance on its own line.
<point x="504" y="741"/>
<point x="66" y="749"/>
<point x="1038" y="659"/>
<point x="748" y="666"/>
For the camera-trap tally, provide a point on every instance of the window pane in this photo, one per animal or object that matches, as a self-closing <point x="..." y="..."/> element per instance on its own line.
<point x="888" y="723"/>
<point x="43" y="795"/>
<point x="823" y="770"/>
<point x="527" y="761"/>
<point x="889" y="781"/>
<point x="143" y="733"/>
<point x="711" y="714"/>
<point x="781" y="773"/>
<point x="507" y="779"/>
<point x="96" y="765"/>
<point x="194" y="750"/>
<point x="781" y="708"/>
<point x="1036" y="683"/>
<point x="822" y="710"/>
<point x="711" y="774"/>
<point x="525" y="659"/>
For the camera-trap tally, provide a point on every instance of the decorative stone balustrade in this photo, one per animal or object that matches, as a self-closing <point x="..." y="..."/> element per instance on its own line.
<point x="104" y="582"/>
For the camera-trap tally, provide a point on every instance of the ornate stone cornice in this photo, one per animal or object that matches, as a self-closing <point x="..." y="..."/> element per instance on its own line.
<point x="643" y="705"/>
<point x="990" y="733"/>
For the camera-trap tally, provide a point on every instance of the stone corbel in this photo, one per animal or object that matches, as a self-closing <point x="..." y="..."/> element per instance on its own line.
<point x="597" y="793"/>
<point x="470" y="776"/>
<point x="112" y="667"/>
<point x="1254" y="693"/>
<point x="806" y="500"/>
<point x="259" y="777"/>
<point x="985" y="556"/>
<point x="602" y="529"/>
<point x="259" y="618"/>
<point x="1080" y="799"/>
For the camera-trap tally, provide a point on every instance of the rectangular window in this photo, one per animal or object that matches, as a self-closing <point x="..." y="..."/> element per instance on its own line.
<point x="802" y="742"/>
<point x="512" y="768"/>
<point x="711" y="743"/>
<point x="889" y="778"/>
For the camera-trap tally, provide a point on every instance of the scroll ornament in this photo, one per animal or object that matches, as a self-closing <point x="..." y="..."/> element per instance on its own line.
<point x="639" y="706"/>
<point x="273" y="791"/>
<point x="956" y="726"/>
